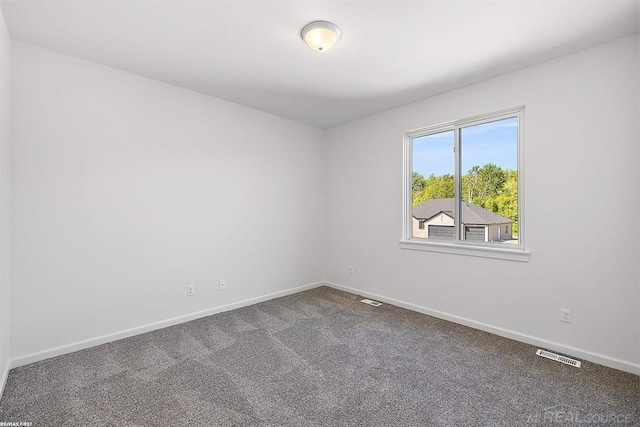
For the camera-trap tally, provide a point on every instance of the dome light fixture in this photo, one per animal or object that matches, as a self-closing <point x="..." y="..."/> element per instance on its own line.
<point x="320" y="35"/>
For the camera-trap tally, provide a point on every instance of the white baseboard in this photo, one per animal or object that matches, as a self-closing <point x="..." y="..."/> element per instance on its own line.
<point x="3" y="378"/>
<point x="92" y="342"/>
<point x="600" y="359"/>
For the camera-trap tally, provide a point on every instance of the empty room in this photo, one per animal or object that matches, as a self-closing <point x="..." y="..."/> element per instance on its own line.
<point x="319" y="213"/>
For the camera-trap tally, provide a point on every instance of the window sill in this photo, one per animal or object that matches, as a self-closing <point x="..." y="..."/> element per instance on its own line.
<point x="468" y="250"/>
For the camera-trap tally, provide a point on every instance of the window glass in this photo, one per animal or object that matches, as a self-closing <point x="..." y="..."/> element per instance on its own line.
<point x="489" y="178"/>
<point x="433" y="186"/>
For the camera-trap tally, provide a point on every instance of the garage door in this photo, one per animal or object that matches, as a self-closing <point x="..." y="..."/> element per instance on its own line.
<point x="475" y="234"/>
<point x="441" y="232"/>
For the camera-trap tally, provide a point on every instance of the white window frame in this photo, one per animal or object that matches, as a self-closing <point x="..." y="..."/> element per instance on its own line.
<point x="517" y="252"/>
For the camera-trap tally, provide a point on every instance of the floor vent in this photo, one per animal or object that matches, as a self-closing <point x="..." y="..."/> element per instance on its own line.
<point x="560" y="358"/>
<point x="371" y="302"/>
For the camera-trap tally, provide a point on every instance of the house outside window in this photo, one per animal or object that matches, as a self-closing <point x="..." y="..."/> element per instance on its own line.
<point x="464" y="186"/>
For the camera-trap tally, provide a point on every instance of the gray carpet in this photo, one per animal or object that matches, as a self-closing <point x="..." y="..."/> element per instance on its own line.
<point x="317" y="358"/>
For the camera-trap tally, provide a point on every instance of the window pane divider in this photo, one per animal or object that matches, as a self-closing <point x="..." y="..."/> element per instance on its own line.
<point x="457" y="197"/>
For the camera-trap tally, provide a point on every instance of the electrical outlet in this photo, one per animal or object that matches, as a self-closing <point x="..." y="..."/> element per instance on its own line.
<point x="565" y="315"/>
<point x="351" y="271"/>
<point x="190" y="290"/>
<point x="223" y="284"/>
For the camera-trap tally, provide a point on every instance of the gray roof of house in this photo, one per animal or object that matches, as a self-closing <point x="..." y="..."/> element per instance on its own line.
<point x="471" y="214"/>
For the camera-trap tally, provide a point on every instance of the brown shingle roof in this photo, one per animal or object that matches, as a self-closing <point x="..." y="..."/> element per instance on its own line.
<point x="471" y="214"/>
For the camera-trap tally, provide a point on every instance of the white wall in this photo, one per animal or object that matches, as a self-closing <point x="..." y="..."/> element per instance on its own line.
<point x="5" y="119"/>
<point x="582" y="160"/>
<point x="126" y="190"/>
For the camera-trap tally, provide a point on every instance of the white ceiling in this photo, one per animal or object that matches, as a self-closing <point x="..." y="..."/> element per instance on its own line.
<point x="250" y="52"/>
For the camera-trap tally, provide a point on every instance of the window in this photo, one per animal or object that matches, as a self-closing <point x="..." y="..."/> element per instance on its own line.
<point x="463" y="187"/>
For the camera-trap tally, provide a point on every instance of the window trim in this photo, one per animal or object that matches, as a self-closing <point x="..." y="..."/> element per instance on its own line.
<point x="517" y="252"/>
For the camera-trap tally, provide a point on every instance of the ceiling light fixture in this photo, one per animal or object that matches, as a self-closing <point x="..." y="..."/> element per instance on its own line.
<point x="320" y="35"/>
